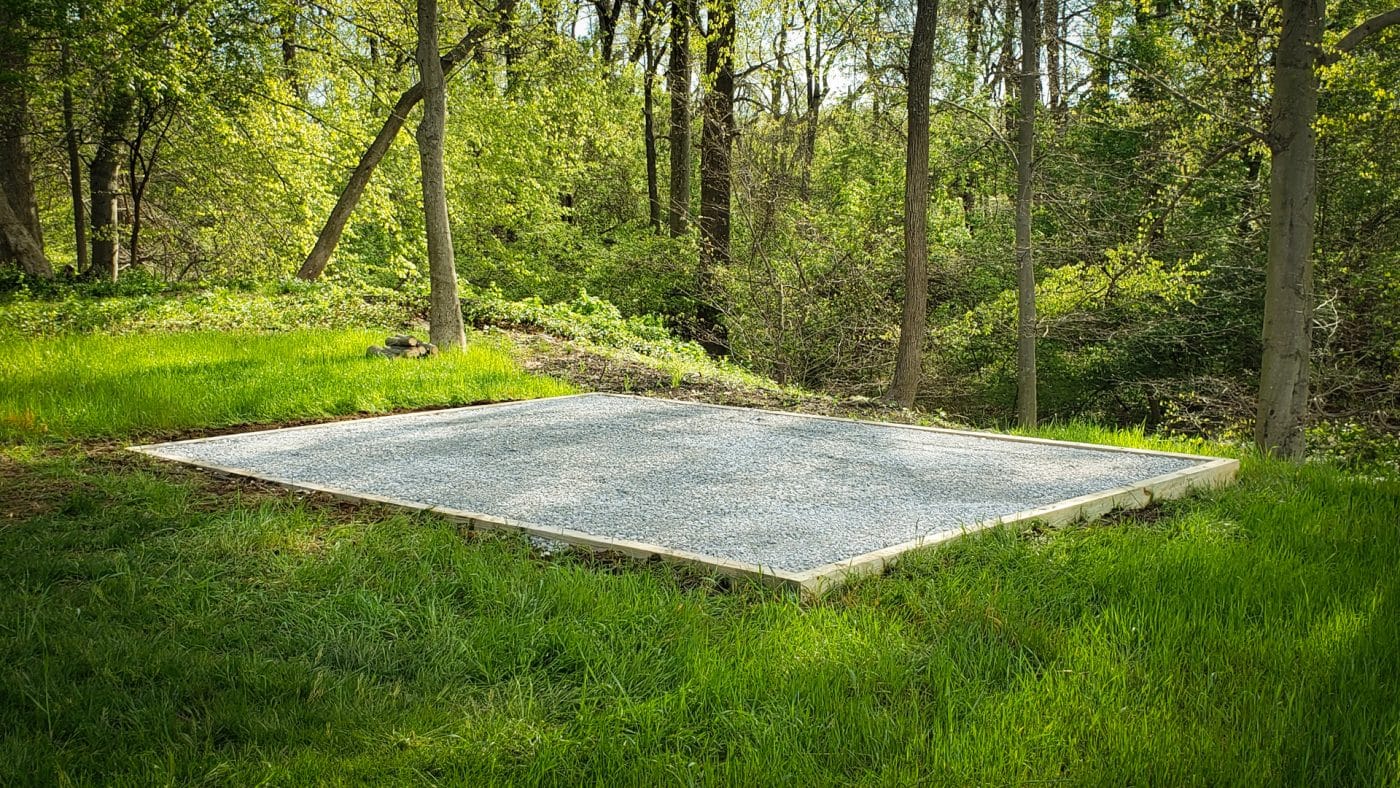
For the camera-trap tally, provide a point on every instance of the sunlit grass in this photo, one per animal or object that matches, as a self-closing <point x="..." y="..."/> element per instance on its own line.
<point x="98" y="386"/>
<point x="158" y="626"/>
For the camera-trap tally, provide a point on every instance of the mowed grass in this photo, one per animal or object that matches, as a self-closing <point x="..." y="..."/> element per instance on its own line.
<point x="158" y="625"/>
<point x="90" y="386"/>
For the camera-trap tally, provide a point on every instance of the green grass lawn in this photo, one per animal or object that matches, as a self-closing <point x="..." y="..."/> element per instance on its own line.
<point x="92" y="386"/>
<point x="158" y="624"/>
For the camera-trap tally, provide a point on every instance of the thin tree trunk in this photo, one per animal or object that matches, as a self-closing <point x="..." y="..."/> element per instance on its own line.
<point x="1288" y="290"/>
<point x="334" y="227"/>
<point x="1010" y="71"/>
<point x="678" y="85"/>
<point x="103" y="188"/>
<point x="1026" y="408"/>
<point x="909" y="357"/>
<point x="1052" y="56"/>
<point x="446" y="329"/>
<point x="287" y="27"/>
<point x="716" y="147"/>
<point x="649" y="116"/>
<point x="813" y="66"/>
<point x="653" y="178"/>
<point x="139" y="169"/>
<point x="75" y="164"/>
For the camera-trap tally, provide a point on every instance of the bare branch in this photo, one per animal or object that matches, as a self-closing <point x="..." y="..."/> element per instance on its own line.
<point x="1360" y="33"/>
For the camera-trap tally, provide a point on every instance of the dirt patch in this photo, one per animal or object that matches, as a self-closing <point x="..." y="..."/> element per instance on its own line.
<point x="618" y="372"/>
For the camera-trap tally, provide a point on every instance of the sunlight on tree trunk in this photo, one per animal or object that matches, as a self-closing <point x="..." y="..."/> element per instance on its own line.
<point x="102" y="173"/>
<point x="1026" y="408"/>
<point x="444" y="307"/>
<point x="23" y="239"/>
<point x="909" y="359"/>
<point x="716" y="152"/>
<point x="1285" y="366"/>
<point x="329" y="237"/>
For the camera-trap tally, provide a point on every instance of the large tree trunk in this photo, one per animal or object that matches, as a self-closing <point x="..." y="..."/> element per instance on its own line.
<point x="444" y="307"/>
<point x="17" y="244"/>
<point x="329" y="237"/>
<point x="1288" y="290"/>
<point x="1026" y="409"/>
<point x="678" y="85"/>
<point x="103" y="188"/>
<point x="909" y="357"/>
<point x="75" y="165"/>
<point x="716" y="147"/>
<point x="16" y="173"/>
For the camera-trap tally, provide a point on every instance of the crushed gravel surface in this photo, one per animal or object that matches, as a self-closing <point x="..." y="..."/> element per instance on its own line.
<point x="783" y="491"/>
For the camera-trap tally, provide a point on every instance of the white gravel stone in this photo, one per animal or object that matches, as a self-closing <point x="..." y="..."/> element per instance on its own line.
<point x="783" y="491"/>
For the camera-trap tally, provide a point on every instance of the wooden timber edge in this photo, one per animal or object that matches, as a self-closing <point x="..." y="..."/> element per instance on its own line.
<point x="1207" y="473"/>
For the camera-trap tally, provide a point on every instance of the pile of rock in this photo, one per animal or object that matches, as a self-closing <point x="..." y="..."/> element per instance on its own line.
<point x="403" y="346"/>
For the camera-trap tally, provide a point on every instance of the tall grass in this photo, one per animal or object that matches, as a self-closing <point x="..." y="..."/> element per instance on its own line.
<point x="157" y="626"/>
<point x="94" y="385"/>
<point x="153" y="629"/>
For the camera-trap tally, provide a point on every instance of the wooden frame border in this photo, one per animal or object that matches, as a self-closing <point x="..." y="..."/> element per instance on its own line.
<point x="1209" y="472"/>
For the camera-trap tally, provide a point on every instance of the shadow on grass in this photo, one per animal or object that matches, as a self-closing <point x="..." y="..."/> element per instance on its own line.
<point x="159" y="627"/>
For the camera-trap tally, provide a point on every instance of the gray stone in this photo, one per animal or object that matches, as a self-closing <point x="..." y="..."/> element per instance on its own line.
<point x="780" y="490"/>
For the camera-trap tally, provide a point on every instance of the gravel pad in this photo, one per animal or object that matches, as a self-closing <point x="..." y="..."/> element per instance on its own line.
<point x="783" y="491"/>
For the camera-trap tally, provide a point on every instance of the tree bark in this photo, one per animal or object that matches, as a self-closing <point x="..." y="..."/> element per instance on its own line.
<point x="16" y="171"/>
<point x="608" y="13"/>
<point x="17" y="244"/>
<point x="909" y="357"/>
<point x="1052" y="56"/>
<point x="287" y="28"/>
<point x="1285" y="367"/>
<point x="678" y="85"/>
<point x="649" y="115"/>
<point x="1026" y="406"/>
<point x="102" y="174"/>
<point x="75" y="164"/>
<point x="716" y="147"/>
<point x="334" y="227"/>
<point x="445" y="326"/>
<point x="1288" y="289"/>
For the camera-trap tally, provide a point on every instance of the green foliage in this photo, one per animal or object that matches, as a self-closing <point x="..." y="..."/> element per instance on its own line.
<point x="1124" y="318"/>
<point x="585" y="317"/>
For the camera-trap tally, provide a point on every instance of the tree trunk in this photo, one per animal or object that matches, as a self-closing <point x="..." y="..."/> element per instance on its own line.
<point x="649" y="116"/>
<point x="287" y="27"/>
<point x="678" y="85"/>
<point x="716" y="146"/>
<point x="649" y="129"/>
<point x="444" y="307"/>
<point x="329" y="237"/>
<point x="1026" y="409"/>
<point x="1052" y="56"/>
<point x="103" y="187"/>
<point x="909" y="357"/>
<point x="75" y="165"/>
<point x="1008" y="51"/>
<point x="1288" y="290"/>
<point x="608" y="13"/>
<point x="16" y="172"/>
<point x="17" y="244"/>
